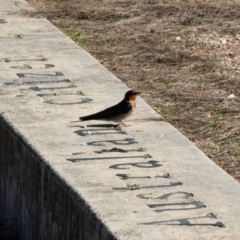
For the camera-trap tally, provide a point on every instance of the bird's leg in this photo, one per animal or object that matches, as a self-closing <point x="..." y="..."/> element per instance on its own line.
<point x="121" y="123"/>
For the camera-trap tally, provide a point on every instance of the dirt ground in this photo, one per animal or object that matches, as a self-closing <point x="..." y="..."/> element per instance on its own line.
<point x="183" y="55"/>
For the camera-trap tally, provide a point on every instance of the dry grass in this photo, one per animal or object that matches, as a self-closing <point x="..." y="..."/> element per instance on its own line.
<point x="184" y="56"/>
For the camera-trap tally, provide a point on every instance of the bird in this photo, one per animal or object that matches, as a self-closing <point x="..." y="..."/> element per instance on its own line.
<point x="118" y="112"/>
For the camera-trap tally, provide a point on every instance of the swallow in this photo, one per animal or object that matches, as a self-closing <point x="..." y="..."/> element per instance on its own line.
<point x="118" y="112"/>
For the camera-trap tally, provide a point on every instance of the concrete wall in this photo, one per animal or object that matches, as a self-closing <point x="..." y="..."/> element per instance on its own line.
<point x="39" y="201"/>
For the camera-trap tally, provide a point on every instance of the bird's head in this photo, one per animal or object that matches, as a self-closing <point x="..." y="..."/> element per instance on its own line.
<point x="131" y="95"/>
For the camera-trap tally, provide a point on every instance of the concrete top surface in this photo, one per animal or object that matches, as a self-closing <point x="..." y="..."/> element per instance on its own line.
<point x="145" y="180"/>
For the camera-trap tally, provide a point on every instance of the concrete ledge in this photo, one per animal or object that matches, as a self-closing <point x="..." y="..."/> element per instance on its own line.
<point x="42" y="203"/>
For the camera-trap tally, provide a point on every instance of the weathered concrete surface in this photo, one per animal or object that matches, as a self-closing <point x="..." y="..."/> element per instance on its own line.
<point x="40" y="201"/>
<point x="57" y="179"/>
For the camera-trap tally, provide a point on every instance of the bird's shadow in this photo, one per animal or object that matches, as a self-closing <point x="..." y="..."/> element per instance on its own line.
<point x="104" y="125"/>
<point x="108" y="125"/>
<point x="98" y="129"/>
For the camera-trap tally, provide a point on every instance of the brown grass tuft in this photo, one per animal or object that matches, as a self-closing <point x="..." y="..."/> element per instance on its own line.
<point x="185" y="53"/>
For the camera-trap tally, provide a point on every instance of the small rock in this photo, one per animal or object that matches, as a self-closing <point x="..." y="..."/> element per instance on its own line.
<point x="231" y="96"/>
<point x="178" y="38"/>
<point x="208" y="115"/>
<point x="223" y="41"/>
<point x="217" y="74"/>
